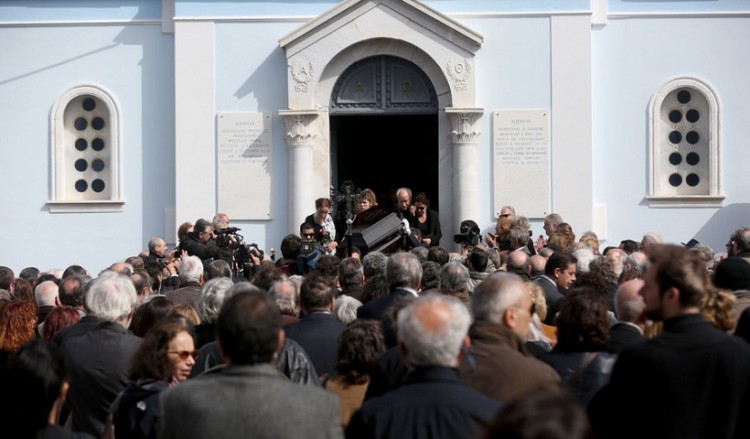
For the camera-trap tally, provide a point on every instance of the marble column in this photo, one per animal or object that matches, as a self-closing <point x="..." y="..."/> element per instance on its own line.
<point x="301" y="139"/>
<point x="464" y="138"/>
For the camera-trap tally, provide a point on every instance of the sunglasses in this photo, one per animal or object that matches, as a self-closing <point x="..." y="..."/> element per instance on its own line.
<point x="185" y="354"/>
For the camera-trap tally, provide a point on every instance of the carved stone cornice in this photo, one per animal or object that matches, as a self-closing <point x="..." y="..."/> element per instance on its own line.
<point x="298" y="126"/>
<point x="464" y="127"/>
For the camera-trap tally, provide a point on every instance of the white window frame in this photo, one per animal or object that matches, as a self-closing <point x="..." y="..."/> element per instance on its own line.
<point x="656" y="139"/>
<point x="60" y="201"/>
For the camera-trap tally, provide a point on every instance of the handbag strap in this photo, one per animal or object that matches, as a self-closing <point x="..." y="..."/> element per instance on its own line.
<point x="573" y="379"/>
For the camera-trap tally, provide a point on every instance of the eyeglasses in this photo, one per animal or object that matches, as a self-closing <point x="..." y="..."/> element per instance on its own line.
<point x="504" y="215"/>
<point x="308" y="235"/>
<point x="729" y="244"/>
<point x="421" y="208"/>
<point x="185" y="354"/>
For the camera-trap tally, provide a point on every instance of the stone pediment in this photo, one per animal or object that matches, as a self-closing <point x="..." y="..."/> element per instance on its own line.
<point x="381" y="18"/>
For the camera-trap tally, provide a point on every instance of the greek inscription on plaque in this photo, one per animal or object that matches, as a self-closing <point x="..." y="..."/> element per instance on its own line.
<point x="521" y="161"/>
<point x="244" y="165"/>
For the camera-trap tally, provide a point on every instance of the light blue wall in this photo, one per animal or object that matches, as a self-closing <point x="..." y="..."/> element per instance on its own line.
<point x="85" y="10"/>
<point x="513" y="73"/>
<point x="251" y="77"/>
<point x="632" y="59"/>
<point x="135" y="65"/>
<point x="297" y="8"/>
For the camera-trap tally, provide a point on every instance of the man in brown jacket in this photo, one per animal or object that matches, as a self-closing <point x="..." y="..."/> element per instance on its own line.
<point x="498" y="365"/>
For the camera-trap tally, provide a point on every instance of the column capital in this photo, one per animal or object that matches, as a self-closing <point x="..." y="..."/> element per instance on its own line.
<point x="298" y="127"/>
<point x="464" y="124"/>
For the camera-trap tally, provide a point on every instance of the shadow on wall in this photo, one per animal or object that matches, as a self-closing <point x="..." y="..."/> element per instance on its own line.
<point x="726" y="220"/>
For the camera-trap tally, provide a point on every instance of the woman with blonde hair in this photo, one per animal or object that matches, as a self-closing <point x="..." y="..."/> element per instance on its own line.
<point x="563" y="237"/>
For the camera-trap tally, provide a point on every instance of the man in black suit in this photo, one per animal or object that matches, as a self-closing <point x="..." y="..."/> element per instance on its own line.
<point x="404" y="274"/>
<point x="559" y="275"/>
<point x="433" y="402"/>
<point x="690" y="381"/>
<point x="629" y="309"/>
<point x="317" y="331"/>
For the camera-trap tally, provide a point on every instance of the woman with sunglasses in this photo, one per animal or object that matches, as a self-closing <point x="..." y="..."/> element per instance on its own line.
<point x="165" y="358"/>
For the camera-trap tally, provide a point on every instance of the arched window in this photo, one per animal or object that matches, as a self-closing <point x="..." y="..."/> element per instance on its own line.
<point x="684" y="145"/>
<point x="85" y="152"/>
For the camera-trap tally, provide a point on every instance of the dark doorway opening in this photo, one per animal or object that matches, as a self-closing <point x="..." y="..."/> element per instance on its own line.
<point x="386" y="152"/>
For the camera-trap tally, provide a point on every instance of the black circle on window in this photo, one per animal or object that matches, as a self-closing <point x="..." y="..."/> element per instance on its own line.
<point x="675" y="180"/>
<point x="683" y="96"/>
<point x="692" y="180"/>
<point x="675" y="116"/>
<point x="692" y="115"/>
<point x="97" y="185"/>
<point x="675" y="158"/>
<point x="81" y="165"/>
<point x="88" y="104"/>
<point x="80" y="124"/>
<point x="97" y="165"/>
<point x="675" y="137"/>
<point x="693" y="137"/>
<point x="81" y="185"/>
<point x="97" y="144"/>
<point x="81" y="144"/>
<point x="693" y="158"/>
<point x="97" y="123"/>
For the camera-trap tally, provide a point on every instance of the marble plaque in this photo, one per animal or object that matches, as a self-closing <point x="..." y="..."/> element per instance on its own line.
<point x="521" y="161"/>
<point x="244" y="165"/>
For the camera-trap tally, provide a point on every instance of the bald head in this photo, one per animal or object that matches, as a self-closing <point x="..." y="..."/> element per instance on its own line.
<point x="537" y="263"/>
<point x="518" y="262"/>
<point x="629" y="304"/>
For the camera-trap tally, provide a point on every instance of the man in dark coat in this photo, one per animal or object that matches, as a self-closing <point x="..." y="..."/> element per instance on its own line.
<point x="501" y="367"/>
<point x="404" y="274"/>
<point x="317" y="331"/>
<point x="433" y="402"/>
<point x="99" y="358"/>
<point x="690" y="381"/>
<point x="630" y="311"/>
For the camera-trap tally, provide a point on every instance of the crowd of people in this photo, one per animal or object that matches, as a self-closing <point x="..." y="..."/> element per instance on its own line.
<point x="509" y="337"/>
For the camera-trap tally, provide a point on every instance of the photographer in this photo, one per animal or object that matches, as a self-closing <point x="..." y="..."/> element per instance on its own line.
<point x="200" y="242"/>
<point x="469" y="236"/>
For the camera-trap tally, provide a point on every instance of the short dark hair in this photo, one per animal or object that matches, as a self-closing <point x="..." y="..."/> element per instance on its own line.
<point x="430" y="275"/>
<point x="73" y="270"/>
<point x="6" y="277"/>
<point x="351" y="271"/>
<point x="305" y="226"/>
<point x="478" y="259"/>
<point x="328" y="265"/>
<point x="359" y="347"/>
<point x="438" y="254"/>
<point x="71" y="290"/>
<point x="201" y="225"/>
<point x="248" y="327"/>
<point x="316" y="292"/>
<point x="290" y="246"/>
<point x="629" y="245"/>
<point x="559" y="260"/>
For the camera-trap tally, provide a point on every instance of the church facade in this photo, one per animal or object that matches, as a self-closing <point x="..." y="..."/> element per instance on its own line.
<point x="122" y="120"/>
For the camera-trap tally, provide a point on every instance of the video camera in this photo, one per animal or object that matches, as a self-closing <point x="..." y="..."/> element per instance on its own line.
<point x="241" y="253"/>
<point x="469" y="234"/>
<point x="309" y="252"/>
